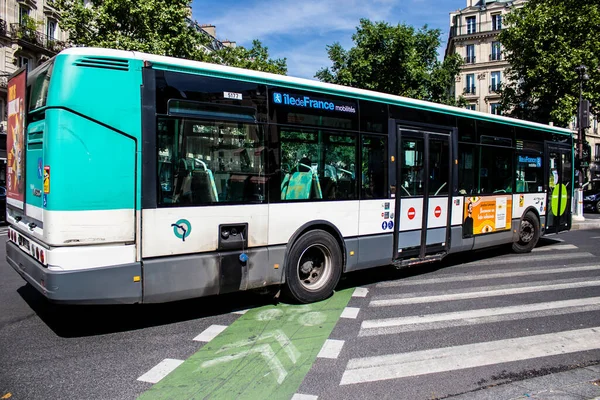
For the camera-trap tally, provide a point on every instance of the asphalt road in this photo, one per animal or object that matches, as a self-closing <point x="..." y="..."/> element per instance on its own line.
<point x="436" y="331"/>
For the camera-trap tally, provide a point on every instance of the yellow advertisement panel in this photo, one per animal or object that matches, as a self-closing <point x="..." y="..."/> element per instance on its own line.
<point x="487" y="214"/>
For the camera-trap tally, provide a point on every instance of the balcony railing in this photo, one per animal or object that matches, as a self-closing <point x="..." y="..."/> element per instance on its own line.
<point x="470" y="60"/>
<point x="21" y="32"/>
<point x="470" y="90"/>
<point x="479" y="27"/>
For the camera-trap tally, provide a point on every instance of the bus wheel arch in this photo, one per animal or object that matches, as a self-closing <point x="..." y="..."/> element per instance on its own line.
<point x="314" y="262"/>
<point x="528" y="231"/>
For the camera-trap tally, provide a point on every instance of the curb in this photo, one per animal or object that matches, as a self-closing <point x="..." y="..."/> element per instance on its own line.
<point x="593" y="224"/>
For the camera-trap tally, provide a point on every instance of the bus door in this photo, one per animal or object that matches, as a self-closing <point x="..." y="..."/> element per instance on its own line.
<point x="422" y="194"/>
<point x="559" y="175"/>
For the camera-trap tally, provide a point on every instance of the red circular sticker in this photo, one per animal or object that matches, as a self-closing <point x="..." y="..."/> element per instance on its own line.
<point x="411" y="213"/>
<point x="437" y="212"/>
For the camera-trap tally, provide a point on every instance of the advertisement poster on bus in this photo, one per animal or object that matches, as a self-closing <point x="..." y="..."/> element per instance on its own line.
<point x="487" y="214"/>
<point x="15" y="141"/>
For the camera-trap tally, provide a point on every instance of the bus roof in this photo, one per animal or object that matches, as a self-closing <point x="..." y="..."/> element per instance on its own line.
<point x="302" y="83"/>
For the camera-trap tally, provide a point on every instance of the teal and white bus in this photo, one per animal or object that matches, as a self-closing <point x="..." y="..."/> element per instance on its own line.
<point x="136" y="178"/>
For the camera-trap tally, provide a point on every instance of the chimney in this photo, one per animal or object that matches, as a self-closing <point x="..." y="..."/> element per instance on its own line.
<point x="210" y="29"/>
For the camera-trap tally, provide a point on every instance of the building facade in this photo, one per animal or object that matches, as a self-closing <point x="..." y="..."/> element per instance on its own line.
<point x="29" y="35"/>
<point x="473" y="35"/>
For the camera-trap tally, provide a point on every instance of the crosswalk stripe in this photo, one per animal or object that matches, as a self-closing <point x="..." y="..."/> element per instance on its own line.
<point x="527" y="258"/>
<point x="394" y="366"/>
<point x="556" y="247"/>
<point x="159" y="371"/>
<point x="386" y="326"/>
<point x="502" y="290"/>
<point x="474" y="277"/>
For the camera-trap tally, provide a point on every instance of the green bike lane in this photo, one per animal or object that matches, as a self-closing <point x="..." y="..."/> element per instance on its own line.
<point x="266" y="353"/>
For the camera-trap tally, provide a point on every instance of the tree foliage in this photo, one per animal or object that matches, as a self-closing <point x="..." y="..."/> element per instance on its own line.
<point x="545" y="41"/>
<point x="160" y="27"/>
<point x="394" y="59"/>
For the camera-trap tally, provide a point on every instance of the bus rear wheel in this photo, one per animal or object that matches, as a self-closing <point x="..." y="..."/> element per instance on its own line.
<point x="529" y="234"/>
<point x="314" y="267"/>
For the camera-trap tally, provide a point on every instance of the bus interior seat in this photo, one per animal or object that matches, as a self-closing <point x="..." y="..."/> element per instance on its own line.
<point x="182" y="190"/>
<point x="203" y="185"/>
<point x="238" y="187"/>
<point x="328" y="187"/>
<point x="345" y="188"/>
<point x="221" y="181"/>
<point x="284" y="185"/>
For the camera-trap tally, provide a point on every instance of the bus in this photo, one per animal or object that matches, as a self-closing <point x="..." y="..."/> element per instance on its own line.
<point x="137" y="178"/>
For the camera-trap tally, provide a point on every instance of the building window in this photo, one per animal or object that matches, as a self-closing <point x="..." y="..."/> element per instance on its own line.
<point x="25" y="61"/>
<point x="496" y="22"/>
<point x="470" y="54"/>
<point x="597" y="152"/>
<point x="496" y="81"/>
<point x="470" y="107"/>
<point x="496" y="54"/>
<point x="471" y="25"/>
<point x="470" y="88"/>
<point x="23" y="14"/>
<point x="495" y="108"/>
<point x="51" y="29"/>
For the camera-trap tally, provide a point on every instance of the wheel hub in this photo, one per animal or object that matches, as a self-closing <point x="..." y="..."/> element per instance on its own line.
<point x="527" y="231"/>
<point x="314" y="267"/>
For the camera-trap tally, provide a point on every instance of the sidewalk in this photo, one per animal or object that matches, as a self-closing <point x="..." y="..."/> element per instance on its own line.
<point x="575" y="384"/>
<point x="592" y="221"/>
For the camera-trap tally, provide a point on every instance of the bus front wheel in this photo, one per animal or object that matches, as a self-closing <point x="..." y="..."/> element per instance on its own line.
<point x="529" y="234"/>
<point x="314" y="267"/>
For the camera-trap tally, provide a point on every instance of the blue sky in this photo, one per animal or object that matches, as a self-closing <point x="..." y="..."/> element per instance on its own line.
<point x="300" y="30"/>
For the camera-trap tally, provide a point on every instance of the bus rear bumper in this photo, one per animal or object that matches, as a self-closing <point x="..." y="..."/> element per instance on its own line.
<point x="103" y="285"/>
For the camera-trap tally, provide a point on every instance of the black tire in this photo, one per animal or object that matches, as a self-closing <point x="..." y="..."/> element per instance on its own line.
<point x="313" y="267"/>
<point x="529" y="234"/>
<point x="598" y="206"/>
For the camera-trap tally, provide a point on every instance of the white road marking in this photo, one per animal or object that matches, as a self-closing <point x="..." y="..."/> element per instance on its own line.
<point x="527" y="258"/>
<point x="241" y="312"/>
<point x="210" y="333"/>
<point x="298" y="396"/>
<point x="474" y="277"/>
<point x="388" y="326"/>
<point x="394" y="366"/>
<point x="556" y="247"/>
<point x="350" y="312"/>
<point x="162" y="369"/>
<point x="331" y="348"/>
<point x="360" y="292"/>
<point x="595" y="237"/>
<point x="503" y="290"/>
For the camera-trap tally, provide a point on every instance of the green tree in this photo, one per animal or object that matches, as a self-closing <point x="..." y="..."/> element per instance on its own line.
<point x="158" y="27"/>
<point x="256" y="58"/>
<point x="544" y="42"/>
<point x="394" y="59"/>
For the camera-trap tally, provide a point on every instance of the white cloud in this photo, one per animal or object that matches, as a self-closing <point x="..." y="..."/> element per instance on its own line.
<point x="301" y="30"/>
<point x="266" y="18"/>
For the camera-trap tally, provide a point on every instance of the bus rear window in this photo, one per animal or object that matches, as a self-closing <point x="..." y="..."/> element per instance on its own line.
<point x="39" y="89"/>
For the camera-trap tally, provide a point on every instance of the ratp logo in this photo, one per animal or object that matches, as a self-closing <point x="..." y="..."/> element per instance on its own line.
<point x="277" y="98"/>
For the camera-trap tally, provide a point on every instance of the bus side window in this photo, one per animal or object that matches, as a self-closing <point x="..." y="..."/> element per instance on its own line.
<point x="374" y="167"/>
